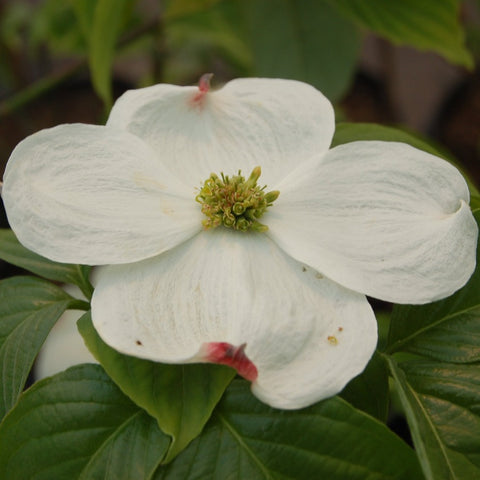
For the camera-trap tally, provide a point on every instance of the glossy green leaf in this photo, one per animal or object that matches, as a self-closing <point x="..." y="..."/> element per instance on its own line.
<point x="451" y="395"/>
<point x="248" y="440"/>
<point x="305" y="40"/>
<point x="441" y="397"/>
<point x="426" y="25"/>
<point x="12" y="251"/>
<point x="369" y="391"/>
<point x="29" y="307"/>
<point x="441" y="403"/>
<point x="346" y="132"/>
<point x="78" y="425"/>
<point x="180" y="397"/>
<point x="447" y="330"/>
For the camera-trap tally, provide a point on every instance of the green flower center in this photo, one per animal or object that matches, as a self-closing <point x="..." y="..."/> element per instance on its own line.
<point x="235" y="202"/>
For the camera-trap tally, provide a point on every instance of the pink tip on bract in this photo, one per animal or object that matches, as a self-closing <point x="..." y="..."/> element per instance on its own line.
<point x="203" y="89"/>
<point x="204" y="82"/>
<point x="227" y="354"/>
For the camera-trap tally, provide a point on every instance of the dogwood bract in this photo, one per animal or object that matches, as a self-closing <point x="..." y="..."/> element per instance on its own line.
<point x="204" y="264"/>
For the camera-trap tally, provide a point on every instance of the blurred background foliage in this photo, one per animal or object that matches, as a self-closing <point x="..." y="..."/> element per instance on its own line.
<point x="317" y="41"/>
<point x="396" y="62"/>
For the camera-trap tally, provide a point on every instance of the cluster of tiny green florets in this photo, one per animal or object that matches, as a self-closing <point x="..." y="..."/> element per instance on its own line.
<point x="235" y="202"/>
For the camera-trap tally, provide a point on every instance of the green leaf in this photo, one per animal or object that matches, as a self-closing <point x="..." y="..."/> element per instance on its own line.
<point x="426" y="25"/>
<point x="346" y="132"/>
<point x="201" y="38"/>
<point x="85" y="13"/>
<point x="12" y="251"/>
<point x="475" y="203"/>
<point x="110" y="17"/>
<point x="29" y="307"/>
<point x="451" y="395"/>
<point x="305" y="40"/>
<point x="180" y="397"/>
<point x="441" y="398"/>
<point x="351" y="132"/>
<point x="447" y="330"/>
<point x="180" y="8"/>
<point x="55" y="24"/>
<point x="79" y="425"/>
<point x="369" y="391"/>
<point x="248" y="440"/>
<point x="441" y="404"/>
<point x="102" y="22"/>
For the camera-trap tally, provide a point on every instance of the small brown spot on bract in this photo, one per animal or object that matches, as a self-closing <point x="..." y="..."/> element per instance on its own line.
<point x="318" y="275"/>
<point x="167" y="210"/>
<point x="147" y="183"/>
<point x="340" y="329"/>
<point x="304" y="269"/>
<point x="332" y="340"/>
<point x="138" y="342"/>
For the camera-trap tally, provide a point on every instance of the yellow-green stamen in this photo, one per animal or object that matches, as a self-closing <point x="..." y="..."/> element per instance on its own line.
<point x="235" y="202"/>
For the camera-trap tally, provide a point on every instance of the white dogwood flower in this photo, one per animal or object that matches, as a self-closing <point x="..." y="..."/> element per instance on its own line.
<point x="204" y="264"/>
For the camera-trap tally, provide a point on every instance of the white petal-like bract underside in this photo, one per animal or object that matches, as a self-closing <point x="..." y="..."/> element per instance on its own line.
<point x="381" y="218"/>
<point x="251" y="122"/>
<point x="306" y="335"/>
<point x="95" y="195"/>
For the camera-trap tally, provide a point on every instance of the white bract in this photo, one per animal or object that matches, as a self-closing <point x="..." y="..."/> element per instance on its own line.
<point x="285" y="306"/>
